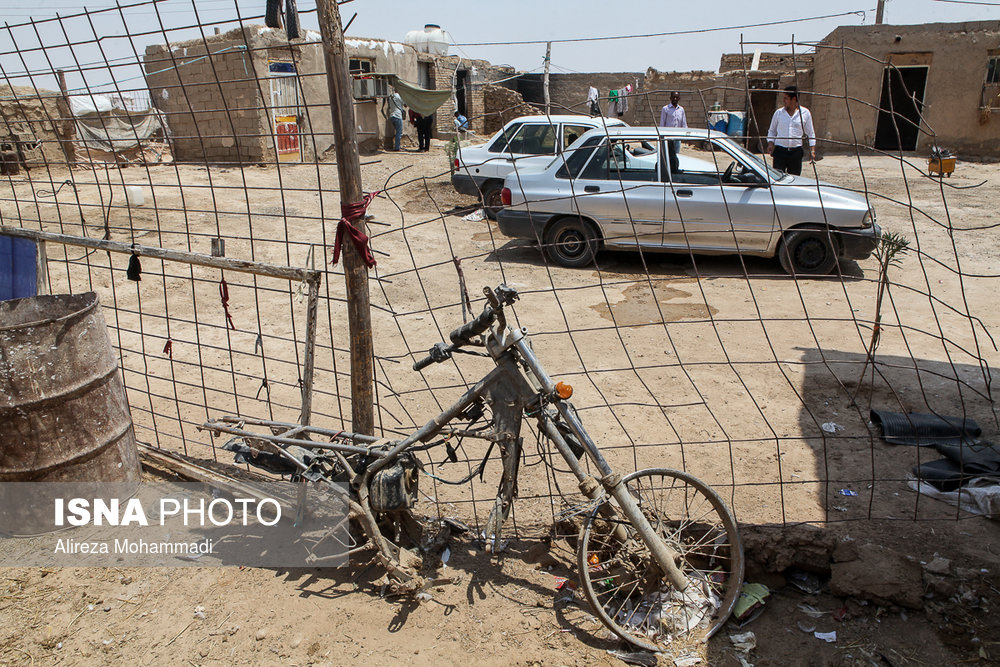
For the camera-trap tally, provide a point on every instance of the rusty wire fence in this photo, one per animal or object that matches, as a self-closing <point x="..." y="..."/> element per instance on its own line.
<point x="723" y="366"/>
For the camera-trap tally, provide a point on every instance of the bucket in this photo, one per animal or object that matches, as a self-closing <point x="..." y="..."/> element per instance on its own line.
<point x="718" y="121"/>
<point x="134" y="195"/>
<point x="735" y="125"/>
<point x="64" y="416"/>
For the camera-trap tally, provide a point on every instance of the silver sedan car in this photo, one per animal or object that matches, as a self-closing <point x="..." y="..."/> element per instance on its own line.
<point x="682" y="190"/>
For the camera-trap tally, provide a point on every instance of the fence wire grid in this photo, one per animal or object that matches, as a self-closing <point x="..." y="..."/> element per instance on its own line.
<point x="724" y="366"/>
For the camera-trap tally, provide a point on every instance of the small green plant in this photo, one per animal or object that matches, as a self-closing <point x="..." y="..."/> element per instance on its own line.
<point x="452" y="151"/>
<point x="889" y="252"/>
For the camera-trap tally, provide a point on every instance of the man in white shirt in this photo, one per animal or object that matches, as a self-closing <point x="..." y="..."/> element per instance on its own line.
<point x="672" y="115"/>
<point x="789" y="125"/>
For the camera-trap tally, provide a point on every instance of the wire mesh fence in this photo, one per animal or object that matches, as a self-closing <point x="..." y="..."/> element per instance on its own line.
<point x="722" y="365"/>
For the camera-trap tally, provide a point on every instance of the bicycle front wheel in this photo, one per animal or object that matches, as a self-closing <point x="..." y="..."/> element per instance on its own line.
<point x="624" y="584"/>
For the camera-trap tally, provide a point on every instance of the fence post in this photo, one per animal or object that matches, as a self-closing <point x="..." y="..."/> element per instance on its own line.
<point x="67" y="121"/>
<point x="349" y="171"/>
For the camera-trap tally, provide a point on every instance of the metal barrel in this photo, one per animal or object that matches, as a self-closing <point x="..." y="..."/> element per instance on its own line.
<point x="64" y="416"/>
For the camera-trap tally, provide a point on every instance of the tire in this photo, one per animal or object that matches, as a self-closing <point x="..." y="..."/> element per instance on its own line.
<point x="694" y="521"/>
<point x="492" y="202"/>
<point x="807" y="252"/>
<point x="571" y="242"/>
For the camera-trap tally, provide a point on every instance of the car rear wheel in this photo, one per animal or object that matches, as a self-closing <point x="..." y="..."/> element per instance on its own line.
<point x="807" y="252"/>
<point x="571" y="242"/>
<point x="492" y="202"/>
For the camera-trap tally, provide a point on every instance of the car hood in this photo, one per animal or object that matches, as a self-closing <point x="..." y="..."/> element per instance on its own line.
<point x="830" y="193"/>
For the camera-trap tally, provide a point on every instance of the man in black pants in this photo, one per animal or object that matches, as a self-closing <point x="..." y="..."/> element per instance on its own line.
<point x="789" y="126"/>
<point x="424" y="125"/>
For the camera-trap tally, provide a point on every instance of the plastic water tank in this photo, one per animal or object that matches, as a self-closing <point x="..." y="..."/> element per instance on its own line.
<point x="736" y="122"/>
<point x="432" y="39"/>
<point x="718" y="121"/>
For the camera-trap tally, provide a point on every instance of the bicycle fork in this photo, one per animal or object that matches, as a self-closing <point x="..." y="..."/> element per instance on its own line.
<point x="662" y="553"/>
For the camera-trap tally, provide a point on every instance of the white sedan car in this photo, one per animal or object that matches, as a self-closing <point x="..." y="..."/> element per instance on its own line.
<point x="479" y="170"/>
<point x="682" y="190"/>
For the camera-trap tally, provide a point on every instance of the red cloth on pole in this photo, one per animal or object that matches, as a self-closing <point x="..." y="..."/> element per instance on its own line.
<point x="351" y="212"/>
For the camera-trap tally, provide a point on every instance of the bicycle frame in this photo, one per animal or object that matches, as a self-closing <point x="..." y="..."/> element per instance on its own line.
<point x="517" y="383"/>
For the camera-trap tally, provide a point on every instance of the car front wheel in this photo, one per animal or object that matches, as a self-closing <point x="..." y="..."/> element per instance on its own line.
<point x="571" y="242"/>
<point x="807" y="252"/>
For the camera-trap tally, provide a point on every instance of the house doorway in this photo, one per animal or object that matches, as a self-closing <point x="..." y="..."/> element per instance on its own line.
<point x="284" y="111"/>
<point x="461" y="79"/>
<point x="900" y="105"/>
<point x="760" y="107"/>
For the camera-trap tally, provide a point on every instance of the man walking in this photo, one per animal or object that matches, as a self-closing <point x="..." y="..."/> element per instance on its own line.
<point x="789" y="125"/>
<point x="396" y="118"/>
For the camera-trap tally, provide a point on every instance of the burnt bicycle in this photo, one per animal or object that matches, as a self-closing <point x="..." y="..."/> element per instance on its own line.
<point x="659" y="553"/>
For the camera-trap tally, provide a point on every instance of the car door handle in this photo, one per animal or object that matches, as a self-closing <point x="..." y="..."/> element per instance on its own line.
<point x="591" y="188"/>
<point x="685" y="193"/>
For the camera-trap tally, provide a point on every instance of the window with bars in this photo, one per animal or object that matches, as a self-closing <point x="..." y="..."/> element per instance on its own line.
<point x="366" y="88"/>
<point x="991" y="86"/>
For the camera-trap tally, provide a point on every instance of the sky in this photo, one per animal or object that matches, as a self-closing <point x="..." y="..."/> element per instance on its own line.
<point x="469" y="23"/>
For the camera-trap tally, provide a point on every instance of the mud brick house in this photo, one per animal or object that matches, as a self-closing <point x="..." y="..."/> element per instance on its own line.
<point x="250" y="95"/>
<point x="911" y="87"/>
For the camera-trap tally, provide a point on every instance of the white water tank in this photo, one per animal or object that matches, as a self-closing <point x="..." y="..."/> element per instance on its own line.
<point x="432" y="39"/>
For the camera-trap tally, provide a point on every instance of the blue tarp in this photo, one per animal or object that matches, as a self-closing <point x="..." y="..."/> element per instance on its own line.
<point x="18" y="268"/>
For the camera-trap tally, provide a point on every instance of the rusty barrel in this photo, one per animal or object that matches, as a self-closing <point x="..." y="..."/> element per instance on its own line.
<point x="64" y="416"/>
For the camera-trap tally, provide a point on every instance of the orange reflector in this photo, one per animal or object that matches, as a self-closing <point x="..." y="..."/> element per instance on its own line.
<point x="563" y="390"/>
<point x="593" y="559"/>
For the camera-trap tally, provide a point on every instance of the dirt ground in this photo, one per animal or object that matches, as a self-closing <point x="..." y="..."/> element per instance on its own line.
<point x="720" y="366"/>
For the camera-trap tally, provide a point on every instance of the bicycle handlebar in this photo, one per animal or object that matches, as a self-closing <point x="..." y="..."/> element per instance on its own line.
<point x="463" y="335"/>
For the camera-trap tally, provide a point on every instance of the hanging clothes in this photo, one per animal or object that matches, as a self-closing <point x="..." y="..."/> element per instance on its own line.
<point x="592" y="96"/>
<point x="612" y="103"/>
<point x="624" y="95"/>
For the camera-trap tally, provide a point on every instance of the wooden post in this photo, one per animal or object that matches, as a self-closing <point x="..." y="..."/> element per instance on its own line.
<point x="548" y="54"/>
<point x="66" y="111"/>
<point x="349" y="170"/>
<point x="879" y="12"/>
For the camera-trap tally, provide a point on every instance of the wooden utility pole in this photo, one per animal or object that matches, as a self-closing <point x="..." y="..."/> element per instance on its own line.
<point x="349" y="170"/>
<point x="879" y="12"/>
<point x="66" y="130"/>
<point x="548" y="58"/>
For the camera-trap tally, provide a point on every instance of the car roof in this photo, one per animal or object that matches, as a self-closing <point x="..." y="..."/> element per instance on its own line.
<point x="653" y="132"/>
<point x="570" y="118"/>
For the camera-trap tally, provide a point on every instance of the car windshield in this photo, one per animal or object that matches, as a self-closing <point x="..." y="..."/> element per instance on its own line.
<point x="773" y="174"/>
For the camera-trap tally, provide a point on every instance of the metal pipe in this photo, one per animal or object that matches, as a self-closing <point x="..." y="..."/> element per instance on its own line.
<point x="226" y="263"/>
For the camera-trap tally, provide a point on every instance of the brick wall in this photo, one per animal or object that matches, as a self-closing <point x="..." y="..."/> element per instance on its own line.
<point x="502" y="105"/>
<point x="443" y="70"/>
<point x="215" y="115"/>
<point x="769" y="62"/>
<point x="568" y="92"/>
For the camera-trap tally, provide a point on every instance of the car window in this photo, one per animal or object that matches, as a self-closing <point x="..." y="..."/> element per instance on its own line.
<point x="624" y="159"/>
<point x="573" y="132"/>
<point x="500" y="144"/>
<point x="695" y="162"/>
<point x="534" y="140"/>
<point x="576" y="158"/>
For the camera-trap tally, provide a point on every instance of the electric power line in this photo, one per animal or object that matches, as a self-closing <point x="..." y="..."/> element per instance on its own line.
<point x="858" y="12"/>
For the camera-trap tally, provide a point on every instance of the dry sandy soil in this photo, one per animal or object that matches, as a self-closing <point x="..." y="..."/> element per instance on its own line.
<point x="721" y="366"/>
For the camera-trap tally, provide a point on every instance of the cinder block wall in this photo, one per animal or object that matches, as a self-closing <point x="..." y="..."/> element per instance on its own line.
<point x="217" y="81"/>
<point x="568" y="92"/>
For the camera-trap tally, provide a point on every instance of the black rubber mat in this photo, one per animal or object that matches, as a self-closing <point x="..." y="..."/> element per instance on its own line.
<point x="979" y="457"/>
<point x="920" y="429"/>
<point x="943" y="474"/>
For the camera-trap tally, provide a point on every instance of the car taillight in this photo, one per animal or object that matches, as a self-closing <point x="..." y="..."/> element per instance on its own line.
<point x="456" y="163"/>
<point x="505" y="196"/>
